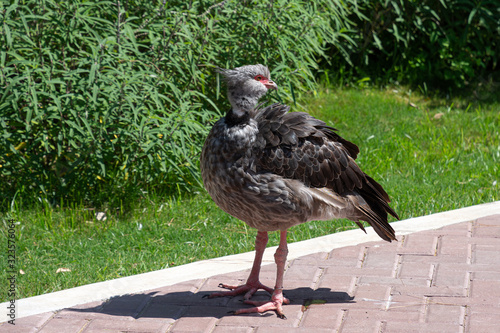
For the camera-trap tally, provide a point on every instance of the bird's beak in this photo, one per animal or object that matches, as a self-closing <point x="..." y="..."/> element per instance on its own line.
<point x="270" y="85"/>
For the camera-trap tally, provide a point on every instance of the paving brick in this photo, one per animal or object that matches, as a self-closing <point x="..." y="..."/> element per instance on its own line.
<point x="459" y="229"/>
<point x="488" y="227"/>
<point x="8" y="328"/>
<point x="181" y="297"/>
<point x="462" y="301"/>
<point x="484" y="309"/>
<point x="372" y="295"/>
<point x="328" y="316"/>
<point x="419" y="243"/>
<point x="266" y="272"/>
<point x="356" y="271"/>
<point x="487" y="243"/>
<point x="488" y="326"/>
<point x="360" y="320"/>
<point x="211" y="311"/>
<point x="446" y="277"/>
<point x="410" y="305"/>
<point x="301" y="272"/>
<point x="444" y="258"/>
<point x="345" y="257"/>
<point x="233" y="329"/>
<point x="142" y="325"/>
<point x="421" y="270"/>
<point x="454" y="245"/>
<point x="445" y="313"/>
<point x="349" y="252"/>
<point x="319" y="259"/>
<point x="459" y="269"/>
<point x="126" y="305"/>
<point x="391" y="281"/>
<point x="340" y="262"/>
<point x="411" y="327"/>
<point x="414" y="258"/>
<point x="482" y="275"/>
<point x="379" y="258"/>
<point x="194" y="324"/>
<point x="212" y="285"/>
<point x="483" y="318"/>
<point x="160" y="310"/>
<point x="278" y="329"/>
<point x="485" y="256"/>
<point x="482" y="291"/>
<point x="343" y="283"/>
<point x="27" y="324"/>
<point x="298" y="293"/>
<point x="188" y="286"/>
<point x="89" y="313"/>
<point x="293" y="313"/>
<point x="417" y="291"/>
<point x="67" y="325"/>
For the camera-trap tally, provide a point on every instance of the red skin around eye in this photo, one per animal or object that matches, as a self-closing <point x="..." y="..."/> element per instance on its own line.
<point x="265" y="81"/>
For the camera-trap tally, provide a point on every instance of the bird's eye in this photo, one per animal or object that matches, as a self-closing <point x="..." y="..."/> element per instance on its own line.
<point x="258" y="77"/>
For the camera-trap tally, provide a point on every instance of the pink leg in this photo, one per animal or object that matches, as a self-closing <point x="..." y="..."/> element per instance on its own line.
<point x="253" y="284"/>
<point x="277" y="299"/>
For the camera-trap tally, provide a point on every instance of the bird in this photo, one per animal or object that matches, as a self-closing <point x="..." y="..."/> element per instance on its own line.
<point x="274" y="169"/>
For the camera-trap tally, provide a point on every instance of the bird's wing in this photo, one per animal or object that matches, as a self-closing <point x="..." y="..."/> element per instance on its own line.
<point x="298" y="146"/>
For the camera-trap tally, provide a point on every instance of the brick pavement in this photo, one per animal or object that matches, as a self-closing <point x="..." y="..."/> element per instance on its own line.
<point x="443" y="280"/>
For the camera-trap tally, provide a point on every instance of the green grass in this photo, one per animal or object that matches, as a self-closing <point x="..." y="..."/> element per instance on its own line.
<point x="434" y="157"/>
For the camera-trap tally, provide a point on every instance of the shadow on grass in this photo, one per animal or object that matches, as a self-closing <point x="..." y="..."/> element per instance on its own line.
<point x="176" y="305"/>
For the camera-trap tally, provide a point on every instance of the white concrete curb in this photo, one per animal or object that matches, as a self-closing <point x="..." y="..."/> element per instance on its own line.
<point x="233" y="263"/>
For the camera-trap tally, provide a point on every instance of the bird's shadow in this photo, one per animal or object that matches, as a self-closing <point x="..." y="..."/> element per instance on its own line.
<point x="180" y="304"/>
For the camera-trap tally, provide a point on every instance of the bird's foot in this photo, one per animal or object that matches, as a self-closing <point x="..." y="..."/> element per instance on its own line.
<point x="276" y="304"/>
<point x="248" y="289"/>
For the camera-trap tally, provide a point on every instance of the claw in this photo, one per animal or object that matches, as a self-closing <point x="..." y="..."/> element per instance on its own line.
<point x="247" y="289"/>
<point x="281" y="315"/>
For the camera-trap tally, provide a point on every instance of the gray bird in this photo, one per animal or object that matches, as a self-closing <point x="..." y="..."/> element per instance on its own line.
<point x="273" y="169"/>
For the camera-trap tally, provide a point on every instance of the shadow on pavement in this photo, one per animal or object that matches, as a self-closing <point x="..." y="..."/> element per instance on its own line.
<point x="188" y="304"/>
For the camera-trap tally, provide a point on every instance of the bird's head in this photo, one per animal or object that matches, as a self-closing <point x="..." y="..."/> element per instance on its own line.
<point x="246" y="85"/>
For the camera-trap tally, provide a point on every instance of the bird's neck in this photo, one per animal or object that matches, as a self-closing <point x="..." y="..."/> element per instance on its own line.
<point x="237" y="117"/>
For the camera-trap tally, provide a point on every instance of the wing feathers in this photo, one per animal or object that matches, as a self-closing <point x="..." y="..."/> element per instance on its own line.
<point x="301" y="147"/>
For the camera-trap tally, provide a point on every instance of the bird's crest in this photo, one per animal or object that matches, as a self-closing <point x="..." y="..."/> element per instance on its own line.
<point x="235" y="75"/>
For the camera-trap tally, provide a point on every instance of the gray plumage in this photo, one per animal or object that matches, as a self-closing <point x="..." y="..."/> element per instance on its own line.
<point x="273" y="169"/>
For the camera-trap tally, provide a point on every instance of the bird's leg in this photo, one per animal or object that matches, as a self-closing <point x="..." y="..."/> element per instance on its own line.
<point x="277" y="298"/>
<point x="253" y="284"/>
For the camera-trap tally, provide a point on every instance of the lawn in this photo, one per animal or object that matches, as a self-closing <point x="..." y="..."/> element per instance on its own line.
<point x="430" y="154"/>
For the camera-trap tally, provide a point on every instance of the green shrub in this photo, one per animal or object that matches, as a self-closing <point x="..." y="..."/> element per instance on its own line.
<point x="446" y="44"/>
<point x="102" y="100"/>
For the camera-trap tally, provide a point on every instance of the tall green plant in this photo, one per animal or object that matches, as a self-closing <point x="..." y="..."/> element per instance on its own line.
<point x="443" y="44"/>
<point x="101" y="99"/>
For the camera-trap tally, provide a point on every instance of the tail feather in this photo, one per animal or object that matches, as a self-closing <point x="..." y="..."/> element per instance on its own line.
<point x="378" y="221"/>
<point x="381" y="196"/>
<point x="375" y="208"/>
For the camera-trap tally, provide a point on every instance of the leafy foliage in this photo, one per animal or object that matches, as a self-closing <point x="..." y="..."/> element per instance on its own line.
<point x="103" y="99"/>
<point x="441" y="44"/>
